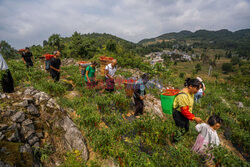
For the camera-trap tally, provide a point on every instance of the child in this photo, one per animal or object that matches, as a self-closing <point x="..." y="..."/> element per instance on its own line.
<point x="208" y="134"/>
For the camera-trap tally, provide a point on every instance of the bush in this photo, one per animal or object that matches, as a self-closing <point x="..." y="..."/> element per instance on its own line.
<point x="235" y="60"/>
<point x="227" y="67"/>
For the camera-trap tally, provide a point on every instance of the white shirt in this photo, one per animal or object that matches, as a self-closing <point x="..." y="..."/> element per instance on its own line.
<point x="201" y="89"/>
<point x="3" y="64"/>
<point x="207" y="136"/>
<point x="110" y="70"/>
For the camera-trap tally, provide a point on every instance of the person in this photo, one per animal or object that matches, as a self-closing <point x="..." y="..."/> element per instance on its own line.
<point x="207" y="134"/>
<point x="48" y="58"/>
<point x="183" y="104"/>
<point x="140" y="94"/>
<point x="110" y="70"/>
<point x="55" y="66"/>
<point x="27" y="57"/>
<point x="90" y="77"/>
<point x="200" y="92"/>
<point x="6" y="79"/>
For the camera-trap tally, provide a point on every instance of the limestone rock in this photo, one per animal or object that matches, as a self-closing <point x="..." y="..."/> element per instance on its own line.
<point x="2" y="136"/>
<point x="2" y="164"/>
<point x="18" y="117"/>
<point x="25" y="149"/>
<point x="41" y="96"/>
<point x="74" y="137"/>
<point x="9" y="113"/>
<point x="21" y="104"/>
<point x="239" y="104"/>
<point x="2" y="96"/>
<point x="27" y="122"/>
<point x="153" y="105"/>
<point x="52" y="104"/>
<point x="33" y="110"/>
<point x="33" y="140"/>
<point x="3" y="127"/>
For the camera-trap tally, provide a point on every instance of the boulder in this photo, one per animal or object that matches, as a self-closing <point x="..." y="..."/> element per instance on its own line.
<point x="74" y="137"/>
<point x="153" y="105"/>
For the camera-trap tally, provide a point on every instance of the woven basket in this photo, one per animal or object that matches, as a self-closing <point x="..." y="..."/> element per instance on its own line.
<point x="129" y="87"/>
<point x="104" y="61"/>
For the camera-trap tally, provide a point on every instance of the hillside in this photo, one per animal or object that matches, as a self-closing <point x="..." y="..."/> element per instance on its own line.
<point x="223" y="35"/>
<point x="77" y="126"/>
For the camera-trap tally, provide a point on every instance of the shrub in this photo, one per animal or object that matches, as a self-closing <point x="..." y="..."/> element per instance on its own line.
<point x="227" y="67"/>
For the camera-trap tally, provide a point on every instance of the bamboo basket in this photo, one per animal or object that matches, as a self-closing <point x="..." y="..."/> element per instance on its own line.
<point x="104" y="61"/>
<point x="129" y="87"/>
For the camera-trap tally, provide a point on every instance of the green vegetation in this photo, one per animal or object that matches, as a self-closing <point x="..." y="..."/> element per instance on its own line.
<point x="145" y="141"/>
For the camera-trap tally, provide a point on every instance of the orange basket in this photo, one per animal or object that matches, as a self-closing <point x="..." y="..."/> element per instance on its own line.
<point x="129" y="81"/>
<point x="21" y="50"/>
<point x="171" y="92"/>
<point x="83" y="62"/>
<point x="106" y="58"/>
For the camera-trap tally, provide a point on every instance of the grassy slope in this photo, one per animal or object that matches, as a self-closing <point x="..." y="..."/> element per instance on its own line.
<point x="146" y="141"/>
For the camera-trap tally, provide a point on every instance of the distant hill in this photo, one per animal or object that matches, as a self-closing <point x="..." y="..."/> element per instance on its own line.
<point x="204" y="35"/>
<point x="103" y="38"/>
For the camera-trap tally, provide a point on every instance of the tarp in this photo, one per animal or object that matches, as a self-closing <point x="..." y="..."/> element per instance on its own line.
<point x="3" y="64"/>
<point x="48" y="56"/>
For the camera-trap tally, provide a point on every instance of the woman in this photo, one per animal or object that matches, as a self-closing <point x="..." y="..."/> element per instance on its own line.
<point x="90" y="75"/>
<point x="183" y="104"/>
<point x="200" y="92"/>
<point x="140" y="94"/>
<point x="6" y="79"/>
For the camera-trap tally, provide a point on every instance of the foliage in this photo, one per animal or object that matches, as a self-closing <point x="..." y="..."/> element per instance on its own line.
<point x="227" y="67"/>
<point x="74" y="159"/>
<point x="198" y="67"/>
<point x="7" y="51"/>
<point x="235" y="60"/>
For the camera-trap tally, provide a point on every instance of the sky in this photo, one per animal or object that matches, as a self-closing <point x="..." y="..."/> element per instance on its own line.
<point x="29" y="22"/>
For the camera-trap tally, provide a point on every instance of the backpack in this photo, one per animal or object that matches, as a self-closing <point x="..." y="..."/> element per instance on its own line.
<point x="83" y="70"/>
<point x="167" y="102"/>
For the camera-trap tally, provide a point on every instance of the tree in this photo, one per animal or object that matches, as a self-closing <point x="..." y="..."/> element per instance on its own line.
<point x="81" y="47"/>
<point x="111" y="46"/>
<point x="45" y="43"/>
<point x="229" y="54"/>
<point x="7" y="51"/>
<point x="55" y="42"/>
<point x="36" y="50"/>
<point x="235" y="60"/>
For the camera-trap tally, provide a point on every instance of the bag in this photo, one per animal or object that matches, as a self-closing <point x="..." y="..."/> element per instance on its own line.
<point x="167" y="100"/>
<point x="83" y="70"/>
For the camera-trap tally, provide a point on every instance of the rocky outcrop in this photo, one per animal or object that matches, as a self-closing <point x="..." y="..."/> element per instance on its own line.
<point x="69" y="61"/>
<point x="153" y="106"/>
<point x="31" y="120"/>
